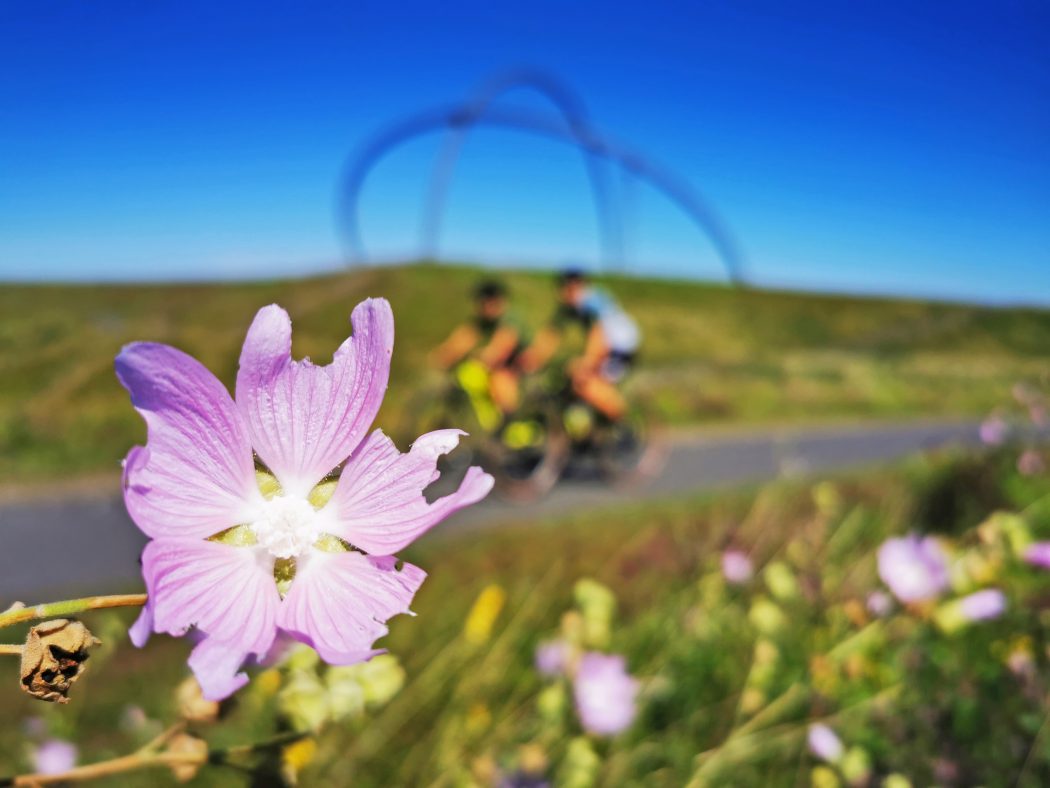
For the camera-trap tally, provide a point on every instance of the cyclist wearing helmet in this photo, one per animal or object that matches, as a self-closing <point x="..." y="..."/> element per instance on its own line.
<point x="610" y="344"/>
<point x="495" y="337"/>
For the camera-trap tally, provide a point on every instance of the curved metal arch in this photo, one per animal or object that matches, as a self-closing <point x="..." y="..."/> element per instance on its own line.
<point x="677" y="190"/>
<point x="573" y="112"/>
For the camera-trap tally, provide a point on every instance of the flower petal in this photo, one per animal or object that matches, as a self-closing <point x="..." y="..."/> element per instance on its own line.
<point x="140" y="631"/>
<point x="304" y="419"/>
<point x="379" y="505"/>
<point x="217" y="667"/>
<point x="195" y="476"/>
<point x="339" y="602"/>
<point x="227" y="592"/>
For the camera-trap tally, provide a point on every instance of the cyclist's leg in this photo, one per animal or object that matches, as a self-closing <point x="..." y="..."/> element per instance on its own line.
<point x="503" y="386"/>
<point x="597" y="389"/>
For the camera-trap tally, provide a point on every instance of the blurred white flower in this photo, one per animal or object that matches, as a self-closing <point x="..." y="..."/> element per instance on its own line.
<point x="736" y="567"/>
<point x="983" y="605"/>
<point x="54" y="756"/>
<point x="880" y="604"/>
<point x="824" y="743"/>
<point x="914" y="568"/>
<point x="605" y="694"/>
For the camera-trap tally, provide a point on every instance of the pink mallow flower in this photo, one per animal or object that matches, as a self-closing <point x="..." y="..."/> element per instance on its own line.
<point x="993" y="431"/>
<point x="54" y="756"/>
<point x="824" y="742"/>
<point x="605" y="694"/>
<point x="983" y="605"/>
<point x="552" y="657"/>
<point x="1038" y="554"/>
<point x="324" y="513"/>
<point x="914" y="568"/>
<point x="879" y="603"/>
<point x="1030" y="463"/>
<point x="736" y="567"/>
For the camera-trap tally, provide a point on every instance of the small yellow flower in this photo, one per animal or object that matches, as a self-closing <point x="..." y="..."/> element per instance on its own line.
<point x="296" y="757"/>
<point x="483" y="614"/>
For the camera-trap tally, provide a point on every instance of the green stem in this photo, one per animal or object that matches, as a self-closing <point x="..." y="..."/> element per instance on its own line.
<point x="69" y="607"/>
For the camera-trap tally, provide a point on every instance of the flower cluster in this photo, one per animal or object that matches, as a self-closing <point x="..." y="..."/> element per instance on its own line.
<point x="604" y="693"/>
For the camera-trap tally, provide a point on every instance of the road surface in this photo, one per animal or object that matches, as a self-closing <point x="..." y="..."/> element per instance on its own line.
<point x="78" y="544"/>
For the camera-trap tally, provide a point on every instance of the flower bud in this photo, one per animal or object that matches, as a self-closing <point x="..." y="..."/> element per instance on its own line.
<point x="824" y="743"/>
<point x="191" y="703"/>
<point x="781" y="581"/>
<point x="192" y="755"/>
<point x="824" y="777"/>
<point x="856" y="766"/>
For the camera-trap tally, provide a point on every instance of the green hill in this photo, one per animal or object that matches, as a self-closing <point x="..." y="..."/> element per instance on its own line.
<point x="711" y="354"/>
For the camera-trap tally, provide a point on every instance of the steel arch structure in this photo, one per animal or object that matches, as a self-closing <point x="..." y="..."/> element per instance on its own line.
<point x="570" y="126"/>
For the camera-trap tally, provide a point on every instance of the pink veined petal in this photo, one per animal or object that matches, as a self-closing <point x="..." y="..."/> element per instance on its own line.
<point x="227" y="592"/>
<point x="379" y="505"/>
<point x="339" y="603"/>
<point x="217" y="667"/>
<point x="143" y="626"/>
<point x="195" y="476"/>
<point x="305" y="419"/>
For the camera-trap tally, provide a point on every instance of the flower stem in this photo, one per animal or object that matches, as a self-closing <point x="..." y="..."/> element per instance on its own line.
<point x="125" y="763"/>
<point x="69" y="607"/>
<point x="15" y="649"/>
<point x="147" y="757"/>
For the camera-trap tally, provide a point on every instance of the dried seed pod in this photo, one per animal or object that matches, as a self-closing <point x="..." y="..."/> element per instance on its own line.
<point x="53" y="658"/>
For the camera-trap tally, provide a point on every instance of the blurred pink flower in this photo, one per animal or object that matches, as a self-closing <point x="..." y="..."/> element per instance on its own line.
<point x="880" y="603"/>
<point x="983" y="605"/>
<point x="824" y="743"/>
<point x="552" y="657"/>
<point x="914" y="568"/>
<point x="736" y="567"/>
<point x="605" y="694"/>
<point x="1038" y="554"/>
<point x="1030" y="463"/>
<point x="54" y="756"/>
<point x="196" y="478"/>
<point x="1038" y="415"/>
<point x="1022" y="393"/>
<point x="993" y="431"/>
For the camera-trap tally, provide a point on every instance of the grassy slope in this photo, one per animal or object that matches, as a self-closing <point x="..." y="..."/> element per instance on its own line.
<point x="711" y="354"/>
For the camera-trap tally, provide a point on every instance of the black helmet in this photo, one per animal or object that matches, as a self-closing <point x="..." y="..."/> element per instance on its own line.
<point x="489" y="288"/>
<point x="570" y="275"/>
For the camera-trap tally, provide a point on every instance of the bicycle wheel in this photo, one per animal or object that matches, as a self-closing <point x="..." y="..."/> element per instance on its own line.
<point x="529" y="455"/>
<point x="633" y="450"/>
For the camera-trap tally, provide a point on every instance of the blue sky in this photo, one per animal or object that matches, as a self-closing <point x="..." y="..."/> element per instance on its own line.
<point x="898" y="148"/>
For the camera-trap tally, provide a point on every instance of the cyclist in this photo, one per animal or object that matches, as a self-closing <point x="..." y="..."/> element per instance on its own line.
<point x="610" y="344"/>
<point x="495" y="338"/>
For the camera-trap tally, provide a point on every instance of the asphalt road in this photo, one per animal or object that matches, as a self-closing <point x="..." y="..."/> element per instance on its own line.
<point x="77" y="544"/>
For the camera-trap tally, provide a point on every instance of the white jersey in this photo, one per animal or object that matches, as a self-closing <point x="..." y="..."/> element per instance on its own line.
<point x="619" y="329"/>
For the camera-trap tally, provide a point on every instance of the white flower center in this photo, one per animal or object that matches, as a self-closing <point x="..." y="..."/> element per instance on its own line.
<point x="287" y="526"/>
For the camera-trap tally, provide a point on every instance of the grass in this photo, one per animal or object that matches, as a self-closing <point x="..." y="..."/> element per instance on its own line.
<point x="904" y="694"/>
<point x="711" y="354"/>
